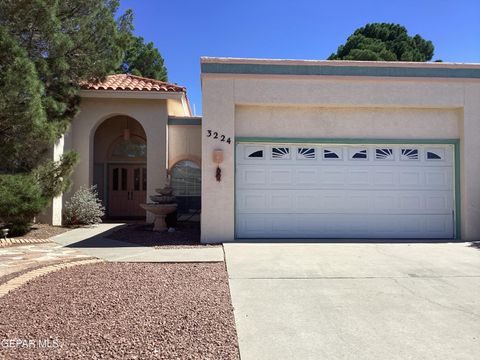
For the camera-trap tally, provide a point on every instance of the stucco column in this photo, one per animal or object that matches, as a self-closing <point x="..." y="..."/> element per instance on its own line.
<point x="218" y="198"/>
<point x="53" y="214"/>
<point x="156" y="130"/>
<point x="82" y="142"/>
<point x="471" y="164"/>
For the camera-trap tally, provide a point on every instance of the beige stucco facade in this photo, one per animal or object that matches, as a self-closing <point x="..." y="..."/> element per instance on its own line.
<point x="271" y="99"/>
<point x="185" y="143"/>
<point x="101" y="121"/>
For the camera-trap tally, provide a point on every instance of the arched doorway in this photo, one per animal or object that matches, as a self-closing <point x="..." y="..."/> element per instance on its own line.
<point x="120" y="170"/>
<point x="186" y="181"/>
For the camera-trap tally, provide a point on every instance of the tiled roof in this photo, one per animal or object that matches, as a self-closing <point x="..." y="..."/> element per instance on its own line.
<point x="129" y="82"/>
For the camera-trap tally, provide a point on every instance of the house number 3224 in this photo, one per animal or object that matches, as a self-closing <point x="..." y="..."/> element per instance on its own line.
<point x="217" y="136"/>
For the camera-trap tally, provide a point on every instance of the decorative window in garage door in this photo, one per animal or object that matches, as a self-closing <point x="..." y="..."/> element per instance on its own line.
<point x="305" y="153"/>
<point x="358" y="154"/>
<point x="282" y="153"/>
<point x="435" y="154"/>
<point x="332" y="154"/>
<point x="254" y="152"/>
<point x="384" y="154"/>
<point x="409" y="154"/>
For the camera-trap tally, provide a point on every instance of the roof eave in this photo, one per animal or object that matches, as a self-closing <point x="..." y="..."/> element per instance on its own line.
<point x="132" y="94"/>
<point x="340" y="63"/>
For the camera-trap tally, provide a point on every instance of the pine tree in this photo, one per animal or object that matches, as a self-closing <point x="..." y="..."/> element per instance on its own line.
<point x="384" y="42"/>
<point x="143" y="59"/>
<point x="48" y="48"/>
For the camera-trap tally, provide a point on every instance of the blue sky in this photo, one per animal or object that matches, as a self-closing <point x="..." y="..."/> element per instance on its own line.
<point x="185" y="30"/>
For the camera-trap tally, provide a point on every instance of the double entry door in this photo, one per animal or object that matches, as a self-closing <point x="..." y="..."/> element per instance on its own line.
<point x="127" y="190"/>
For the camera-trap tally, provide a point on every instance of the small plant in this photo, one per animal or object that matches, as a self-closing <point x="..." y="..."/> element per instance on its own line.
<point x="20" y="200"/>
<point x="84" y="208"/>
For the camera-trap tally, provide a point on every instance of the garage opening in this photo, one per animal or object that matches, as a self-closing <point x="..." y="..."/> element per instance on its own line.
<point x="345" y="191"/>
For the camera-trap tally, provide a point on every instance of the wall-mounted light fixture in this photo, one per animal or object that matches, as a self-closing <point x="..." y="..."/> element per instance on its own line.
<point x="218" y="159"/>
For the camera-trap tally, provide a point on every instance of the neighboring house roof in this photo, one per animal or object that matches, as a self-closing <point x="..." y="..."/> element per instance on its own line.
<point x="128" y="82"/>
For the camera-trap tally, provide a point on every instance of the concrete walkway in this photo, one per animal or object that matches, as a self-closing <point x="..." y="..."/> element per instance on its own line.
<point x="93" y="242"/>
<point x="356" y="301"/>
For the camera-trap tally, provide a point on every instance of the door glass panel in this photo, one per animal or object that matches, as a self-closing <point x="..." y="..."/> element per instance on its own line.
<point x="124" y="179"/>
<point x="115" y="179"/>
<point x="136" y="179"/>
<point x="144" y="179"/>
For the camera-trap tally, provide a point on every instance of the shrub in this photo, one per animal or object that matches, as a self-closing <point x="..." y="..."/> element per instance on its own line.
<point x="84" y="208"/>
<point x="21" y="198"/>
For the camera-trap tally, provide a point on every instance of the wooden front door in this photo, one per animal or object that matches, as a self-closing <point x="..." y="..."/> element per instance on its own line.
<point x="127" y="190"/>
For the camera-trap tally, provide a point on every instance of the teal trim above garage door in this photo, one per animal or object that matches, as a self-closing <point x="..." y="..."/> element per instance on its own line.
<point x="454" y="142"/>
<point x="340" y="70"/>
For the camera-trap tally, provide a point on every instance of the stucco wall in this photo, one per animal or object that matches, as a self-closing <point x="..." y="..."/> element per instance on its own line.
<point x="184" y="143"/>
<point x="387" y="123"/>
<point x="151" y="114"/>
<point x="177" y="108"/>
<point x="110" y="131"/>
<point x="319" y="106"/>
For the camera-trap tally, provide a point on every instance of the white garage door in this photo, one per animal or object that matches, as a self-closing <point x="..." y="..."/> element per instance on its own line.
<point x="344" y="191"/>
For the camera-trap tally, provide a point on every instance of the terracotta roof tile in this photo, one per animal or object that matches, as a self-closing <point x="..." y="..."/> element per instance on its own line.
<point x="129" y="82"/>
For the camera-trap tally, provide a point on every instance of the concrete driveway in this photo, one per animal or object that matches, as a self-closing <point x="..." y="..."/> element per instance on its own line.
<point x="356" y="301"/>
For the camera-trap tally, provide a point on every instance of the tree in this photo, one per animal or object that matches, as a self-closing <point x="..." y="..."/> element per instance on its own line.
<point x="47" y="48"/>
<point x="384" y="42"/>
<point x="68" y="42"/>
<point x="24" y="128"/>
<point x="143" y="59"/>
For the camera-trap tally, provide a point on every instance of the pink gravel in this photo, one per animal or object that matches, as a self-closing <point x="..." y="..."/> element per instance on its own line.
<point x="122" y="311"/>
<point x="187" y="234"/>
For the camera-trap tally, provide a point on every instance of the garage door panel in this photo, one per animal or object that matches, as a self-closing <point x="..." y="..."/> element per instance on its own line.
<point x="382" y="202"/>
<point x="437" y="178"/>
<point x="348" y="201"/>
<point x="384" y="177"/>
<point x="316" y="177"/>
<point x="333" y="176"/>
<point x="348" y="226"/>
<point x="254" y="201"/>
<point x="438" y="201"/>
<point x="359" y="177"/>
<point x="398" y="191"/>
<point x="281" y="201"/>
<point x="254" y="176"/>
<point x="279" y="176"/>
<point x="306" y="177"/>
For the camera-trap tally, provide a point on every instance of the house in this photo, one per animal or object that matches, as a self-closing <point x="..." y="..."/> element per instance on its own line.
<point x="131" y="133"/>
<point x="340" y="149"/>
<point x="291" y="149"/>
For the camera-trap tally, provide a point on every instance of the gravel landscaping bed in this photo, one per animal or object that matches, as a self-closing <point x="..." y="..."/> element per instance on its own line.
<point x="43" y="231"/>
<point x="122" y="311"/>
<point x="187" y="234"/>
<point x="8" y="277"/>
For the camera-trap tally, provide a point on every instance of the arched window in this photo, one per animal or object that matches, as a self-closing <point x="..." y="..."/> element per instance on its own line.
<point x="186" y="178"/>
<point x="133" y="148"/>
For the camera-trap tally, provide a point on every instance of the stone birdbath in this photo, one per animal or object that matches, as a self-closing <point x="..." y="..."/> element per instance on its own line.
<point x="163" y="204"/>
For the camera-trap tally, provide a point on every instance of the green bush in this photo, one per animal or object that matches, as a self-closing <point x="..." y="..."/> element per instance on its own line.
<point x="20" y="200"/>
<point x="25" y="195"/>
<point x="84" y="208"/>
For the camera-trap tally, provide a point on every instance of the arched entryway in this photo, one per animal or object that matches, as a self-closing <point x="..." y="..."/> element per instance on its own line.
<point x="120" y="166"/>
<point x="186" y="181"/>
